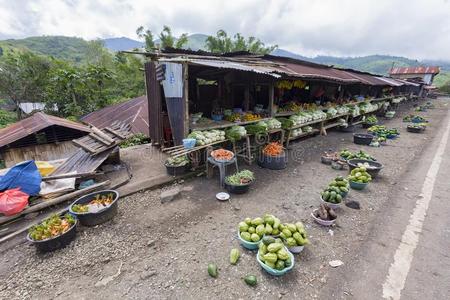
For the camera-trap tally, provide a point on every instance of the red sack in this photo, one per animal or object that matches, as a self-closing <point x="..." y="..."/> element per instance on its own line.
<point x="13" y="201"/>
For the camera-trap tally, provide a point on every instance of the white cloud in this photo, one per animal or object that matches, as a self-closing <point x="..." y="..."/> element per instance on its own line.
<point x="414" y="28"/>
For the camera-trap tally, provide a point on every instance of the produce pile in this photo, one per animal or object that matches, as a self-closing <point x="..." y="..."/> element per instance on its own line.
<point x="222" y="155"/>
<point x="336" y="190"/>
<point x="296" y="132"/>
<point x="271" y="124"/>
<point x="307" y="129"/>
<point x="372" y="119"/>
<point x="289" y="84"/>
<point x="256" y="129"/>
<point x="293" y="235"/>
<point x="346" y="154"/>
<point x="177" y="161"/>
<point x="273" y="149"/>
<point x="367" y="107"/>
<point x="51" y="227"/>
<point x="286" y="123"/>
<point x="240" y="178"/>
<point x="331" y="112"/>
<point x="274" y="254"/>
<point x="382" y="131"/>
<point x="291" y="106"/>
<point x="100" y="202"/>
<point x="235" y="133"/>
<point x="342" y="109"/>
<point x="325" y="213"/>
<point x="250" y="117"/>
<point x="207" y="137"/>
<point x="360" y="175"/>
<point x="414" y="119"/>
<point x="354" y="110"/>
<point x="254" y="230"/>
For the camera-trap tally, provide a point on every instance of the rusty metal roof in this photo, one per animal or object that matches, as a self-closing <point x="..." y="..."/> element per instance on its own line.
<point x="133" y="112"/>
<point x="414" y="70"/>
<point x="391" y="81"/>
<point x="33" y="124"/>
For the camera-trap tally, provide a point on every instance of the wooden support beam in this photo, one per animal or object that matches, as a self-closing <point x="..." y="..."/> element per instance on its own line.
<point x="74" y="175"/>
<point x="98" y="138"/>
<point x="103" y="135"/>
<point x="116" y="133"/>
<point x="83" y="146"/>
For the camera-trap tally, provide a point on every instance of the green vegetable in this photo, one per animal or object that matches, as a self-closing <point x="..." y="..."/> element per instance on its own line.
<point x="177" y="161"/>
<point x="267" y="240"/>
<point x="291" y="227"/>
<point x="262" y="248"/>
<point x="257" y="221"/>
<point x="268" y="229"/>
<point x="212" y="270"/>
<point x="51" y="227"/>
<point x="260" y="230"/>
<point x="250" y="280"/>
<point x="246" y="236"/>
<point x="291" y="242"/>
<point x="255" y="237"/>
<point x="251" y="229"/>
<point x="280" y="265"/>
<point x="270" y="264"/>
<point x="243" y="226"/>
<point x="240" y="178"/>
<point x="274" y="247"/>
<point x="248" y="221"/>
<point x="282" y="254"/>
<point x="270" y="257"/>
<point x="287" y="233"/>
<point x="288" y="262"/>
<point x="234" y="256"/>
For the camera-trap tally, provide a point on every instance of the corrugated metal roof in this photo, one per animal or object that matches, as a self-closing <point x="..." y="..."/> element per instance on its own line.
<point x="391" y="81"/>
<point x="133" y="112"/>
<point x="365" y="78"/>
<point x="406" y="82"/>
<point x="33" y="124"/>
<point x="415" y="70"/>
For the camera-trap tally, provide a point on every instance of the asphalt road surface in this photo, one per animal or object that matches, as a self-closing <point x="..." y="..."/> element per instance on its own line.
<point x="407" y="255"/>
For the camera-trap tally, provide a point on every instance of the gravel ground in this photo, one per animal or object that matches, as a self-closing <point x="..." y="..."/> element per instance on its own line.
<point x="154" y="250"/>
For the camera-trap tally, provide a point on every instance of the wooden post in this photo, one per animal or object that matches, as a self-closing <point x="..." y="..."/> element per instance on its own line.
<point x="186" y="98"/>
<point x="271" y="98"/>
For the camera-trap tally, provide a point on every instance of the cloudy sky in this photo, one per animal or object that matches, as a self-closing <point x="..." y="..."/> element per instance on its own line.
<point x="413" y="28"/>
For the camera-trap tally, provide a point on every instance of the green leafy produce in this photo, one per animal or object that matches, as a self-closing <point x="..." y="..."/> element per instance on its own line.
<point x="256" y="129"/>
<point x="346" y="154"/>
<point x="240" y="178"/>
<point x="212" y="270"/>
<point x="177" y="161"/>
<point x="235" y="133"/>
<point x="250" y="280"/>
<point x="51" y="227"/>
<point x="360" y="175"/>
<point x="80" y="208"/>
<point x="372" y="119"/>
<point x="286" y="123"/>
<point x="381" y="130"/>
<point x="136" y="139"/>
<point x="234" y="256"/>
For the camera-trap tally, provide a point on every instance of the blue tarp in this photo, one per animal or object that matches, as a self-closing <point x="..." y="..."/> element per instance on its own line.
<point x="25" y="176"/>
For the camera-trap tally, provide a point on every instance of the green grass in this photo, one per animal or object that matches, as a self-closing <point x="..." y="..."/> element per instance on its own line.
<point x="442" y="78"/>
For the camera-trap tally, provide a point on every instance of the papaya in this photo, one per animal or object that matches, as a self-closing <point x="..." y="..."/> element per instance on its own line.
<point x="260" y="229"/>
<point x="257" y="221"/>
<point x="212" y="270"/>
<point x="246" y="236"/>
<point x="282" y="254"/>
<point x="292" y="228"/>
<point x="254" y="237"/>
<point x="234" y="256"/>
<point x="243" y="226"/>
<point x="279" y="265"/>
<point x="250" y="280"/>
<point x="262" y="248"/>
<point x="274" y="247"/>
<point x="270" y="257"/>
<point x="267" y="240"/>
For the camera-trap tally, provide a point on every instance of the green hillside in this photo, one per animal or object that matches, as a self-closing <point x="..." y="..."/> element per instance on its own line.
<point x="62" y="47"/>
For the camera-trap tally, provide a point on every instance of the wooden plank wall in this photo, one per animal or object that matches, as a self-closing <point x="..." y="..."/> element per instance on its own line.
<point x="38" y="152"/>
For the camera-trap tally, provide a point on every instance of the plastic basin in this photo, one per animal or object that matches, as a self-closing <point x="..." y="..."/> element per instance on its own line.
<point x="248" y="245"/>
<point x="177" y="170"/>
<point x="358" y="185"/>
<point x="322" y="222"/>
<point x="362" y="138"/>
<point x="296" y="249"/>
<point x="237" y="189"/>
<point x="217" y="118"/>
<point x="99" y="217"/>
<point x="276" y="272"/>
<point x="57" y="242"/>
<point x="353" y="163"/>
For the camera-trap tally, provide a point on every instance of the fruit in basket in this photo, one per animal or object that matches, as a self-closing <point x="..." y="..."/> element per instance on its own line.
<point x="360" y="175"/>
<point x="294" y="235"/>
<point x="212" y="270"/>
<point x="276" y="257"/>
<point x="234" y="256"/>
<point x="253" y="230"/>
<point x="346" y="154"/>
<point x="336" y="190"/>
<point x="246" y="236"/>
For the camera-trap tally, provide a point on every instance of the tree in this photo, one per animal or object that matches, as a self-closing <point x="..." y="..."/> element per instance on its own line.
<point x="166" y="38"/>
<point x="147" y="36"/>
<point x="222" y="43"/>
<point x="23" y="77"/>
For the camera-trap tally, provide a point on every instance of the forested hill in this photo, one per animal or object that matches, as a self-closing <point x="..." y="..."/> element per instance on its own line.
<point x="76" y="50"/>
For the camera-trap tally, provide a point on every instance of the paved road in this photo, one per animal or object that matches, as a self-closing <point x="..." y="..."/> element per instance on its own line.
<point x="407" y="255"/>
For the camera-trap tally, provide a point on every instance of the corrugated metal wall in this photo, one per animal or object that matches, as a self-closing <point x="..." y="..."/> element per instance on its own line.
<point x="154" y="103"/>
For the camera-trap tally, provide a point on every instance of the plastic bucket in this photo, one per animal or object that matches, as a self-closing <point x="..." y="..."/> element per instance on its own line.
<point x="322" y="222"/>
<point x="358" y="185"/>
<point x="331" y="205"/>
<point x="248" y="245"/>
<point x="276" y="272"/>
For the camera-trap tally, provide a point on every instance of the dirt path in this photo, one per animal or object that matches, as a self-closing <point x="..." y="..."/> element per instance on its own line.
<point x="154" y="250"/>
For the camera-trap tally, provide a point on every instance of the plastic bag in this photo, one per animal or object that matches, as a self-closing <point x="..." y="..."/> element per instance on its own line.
<point x="25" y="176"/>
<point x="13" y="201"/>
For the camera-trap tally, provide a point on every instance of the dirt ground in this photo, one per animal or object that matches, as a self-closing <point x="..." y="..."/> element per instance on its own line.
<point x="161" y="251"/>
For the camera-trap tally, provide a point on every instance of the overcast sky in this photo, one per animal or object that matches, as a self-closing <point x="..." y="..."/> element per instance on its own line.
<point x="413" y="28"/>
